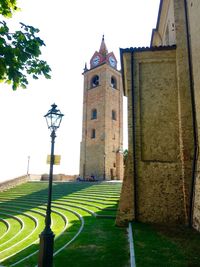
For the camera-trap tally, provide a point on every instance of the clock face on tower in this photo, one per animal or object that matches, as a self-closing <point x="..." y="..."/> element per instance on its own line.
<point x="112" y="61"/>
<point x="96" y="60"/>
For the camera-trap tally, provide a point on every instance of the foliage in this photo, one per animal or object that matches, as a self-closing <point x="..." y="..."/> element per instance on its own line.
<point x="7" y="7"/>
<point x="20" y="51"/>
<point x="125" y="154"/>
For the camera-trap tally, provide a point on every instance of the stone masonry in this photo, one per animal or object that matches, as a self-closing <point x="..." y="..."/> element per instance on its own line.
<point x="194" y="28"/>
<point x="158" y="84"/>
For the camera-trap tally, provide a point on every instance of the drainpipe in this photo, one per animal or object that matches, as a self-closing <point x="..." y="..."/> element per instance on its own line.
<point x="134" y="138"/>
<point x="194" y="119"/>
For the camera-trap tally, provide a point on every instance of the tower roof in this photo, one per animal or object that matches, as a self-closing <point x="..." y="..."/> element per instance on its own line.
<point x="103" y="56"/>
<point x="103" y="49"/>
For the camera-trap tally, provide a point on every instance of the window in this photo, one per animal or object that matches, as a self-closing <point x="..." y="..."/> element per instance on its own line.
<point x="93" y="134"/>
<point x="95" y="81"/>
<point x="114" y="117"/>
<point x="113" y="82"/>
<point x="94" y="114"/>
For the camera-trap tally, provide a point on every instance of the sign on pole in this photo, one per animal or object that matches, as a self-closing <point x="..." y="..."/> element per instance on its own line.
<point x="57" y="159"/>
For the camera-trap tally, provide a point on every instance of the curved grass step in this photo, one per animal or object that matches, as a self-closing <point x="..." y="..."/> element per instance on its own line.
<point x="4" y="228"/>
<point x="56" y="228"/>
<point x="18" y="240"/>
<point x="72" y="207"/>
<point x="15" y="223"/>
<point x="25" y="238"/>
<point x="43" y="199"/>
<point x="60" y="243"/>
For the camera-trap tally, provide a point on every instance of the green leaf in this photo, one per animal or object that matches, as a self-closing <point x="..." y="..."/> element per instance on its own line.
<point x="7" y="7"/>
<point x="8" y="81"/>
<point x="35" y="77"/>
<point x="20" y="55"/>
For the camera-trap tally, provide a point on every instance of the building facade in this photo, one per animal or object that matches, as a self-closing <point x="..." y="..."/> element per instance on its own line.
<point x="162" y="84"/>
<point x="102" y="129"/>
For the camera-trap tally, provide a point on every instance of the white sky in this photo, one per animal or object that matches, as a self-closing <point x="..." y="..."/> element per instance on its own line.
<point x="72" y="31"/>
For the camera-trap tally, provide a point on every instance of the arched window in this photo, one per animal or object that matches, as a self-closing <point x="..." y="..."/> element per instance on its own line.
<point x="93" y="133"/>
<point x="95" y="81"/>
<point x="113" y="82"/>
<point x="94" y="114"/>
<point x="114" y="116"/>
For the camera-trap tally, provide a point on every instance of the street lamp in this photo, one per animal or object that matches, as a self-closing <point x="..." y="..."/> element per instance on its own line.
<point x="28" y="166"/>
<point x="53" y="118"/>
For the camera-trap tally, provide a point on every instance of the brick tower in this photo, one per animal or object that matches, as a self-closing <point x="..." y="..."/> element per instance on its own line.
<point x="102" y="131"/>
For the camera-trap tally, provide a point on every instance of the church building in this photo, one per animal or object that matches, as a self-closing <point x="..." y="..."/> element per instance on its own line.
<point x="162" y="83"/>
<point x="101" y="153"/>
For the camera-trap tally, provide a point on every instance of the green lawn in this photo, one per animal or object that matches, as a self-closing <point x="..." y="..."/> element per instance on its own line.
<point x="83" y="220"/>
<point x="166" y="246"/>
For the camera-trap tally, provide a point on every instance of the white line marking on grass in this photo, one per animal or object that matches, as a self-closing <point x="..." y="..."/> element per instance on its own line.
<point x="66" y="224"/>
<point x="68" y="243"/>
<point x="22" y="240"/>
<point x="80" y="230"/>
<point x="21" y="223"/>
<point x="32" y="254"/>
<point x="14" y="264"/>
<point x="42" y="214"/>
<point x="79" y="207"/>
<point x="132" y="253"/>
<point x="7" y="226"/>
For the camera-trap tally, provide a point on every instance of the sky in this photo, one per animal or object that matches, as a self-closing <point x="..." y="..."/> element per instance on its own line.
<point x="72" y="32"/>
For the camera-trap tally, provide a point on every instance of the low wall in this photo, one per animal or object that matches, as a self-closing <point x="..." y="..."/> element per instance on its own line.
<point x="13" y="182"/>
<point x="59" y="177"/>
<point x="35" y="177"/>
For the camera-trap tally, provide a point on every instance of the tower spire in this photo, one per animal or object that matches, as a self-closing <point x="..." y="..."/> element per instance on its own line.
<point x="103" y="49"/>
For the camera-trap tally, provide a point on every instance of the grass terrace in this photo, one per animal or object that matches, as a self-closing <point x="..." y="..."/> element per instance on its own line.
<point x="83" y="220"/>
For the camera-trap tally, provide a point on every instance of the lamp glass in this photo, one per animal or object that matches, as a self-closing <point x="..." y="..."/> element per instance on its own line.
<point x="53" y="118"/>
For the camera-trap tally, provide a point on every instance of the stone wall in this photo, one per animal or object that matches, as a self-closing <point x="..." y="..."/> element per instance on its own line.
<point x="194" y="28"/>
<point x="159" y="172"/>
<point x="13" y="182"/>
<point x="165" y="34"/>
<point x="163" y="134"/>
<point x="126" y="208"/>
<point x="59" y="177"/>
<point x="164" y="117"/>
<point x="185" y="103"/>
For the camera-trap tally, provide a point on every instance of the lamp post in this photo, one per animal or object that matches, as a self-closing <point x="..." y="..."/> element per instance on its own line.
<point x="28" y="166"/>
<point x="53" y="118"/>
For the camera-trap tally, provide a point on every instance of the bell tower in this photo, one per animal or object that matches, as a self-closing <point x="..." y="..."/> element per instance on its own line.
<point x="102" y="129"/>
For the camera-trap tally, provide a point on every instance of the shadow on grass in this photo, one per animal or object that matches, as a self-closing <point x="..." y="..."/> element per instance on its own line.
<point x="99" y="244"/>
<point x="166" y="246"/>
<point x="26" y="193"/>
